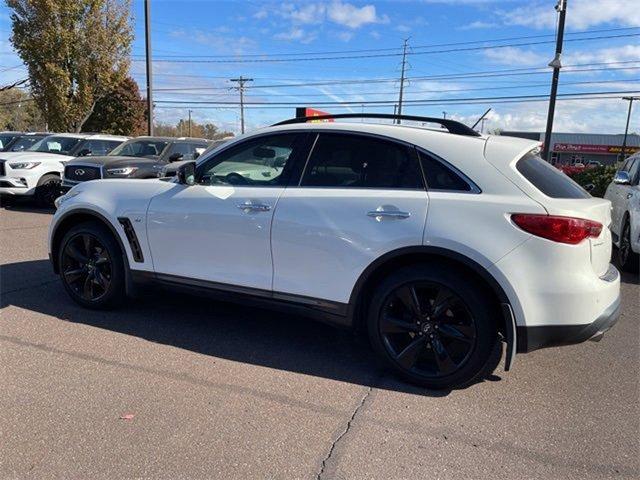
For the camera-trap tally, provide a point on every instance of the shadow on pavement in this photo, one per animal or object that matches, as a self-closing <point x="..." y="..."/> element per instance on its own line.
<point x="224" y="330"/>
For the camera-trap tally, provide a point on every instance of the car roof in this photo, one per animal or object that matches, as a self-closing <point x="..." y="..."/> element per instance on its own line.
<point x="172" y="139"/>
<point x="99" y="136"/>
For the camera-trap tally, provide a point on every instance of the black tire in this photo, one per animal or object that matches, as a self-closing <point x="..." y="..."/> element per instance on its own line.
<point x="47" y="190"/>
<point x="92" y="269"/>
<point x="628" y="260"/>
<point x="454" y="337"/>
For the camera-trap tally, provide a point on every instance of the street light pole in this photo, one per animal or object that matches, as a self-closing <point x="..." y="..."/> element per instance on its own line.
<point x="561" y="7"/>
<point x="626" y="128"/>
<point x="147" y="37"/>
<point x="189" y="122"/>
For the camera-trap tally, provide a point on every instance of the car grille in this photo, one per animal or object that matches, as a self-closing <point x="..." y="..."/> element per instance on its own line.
<point x="2" y="173"/>
<point x="81" y="173"/>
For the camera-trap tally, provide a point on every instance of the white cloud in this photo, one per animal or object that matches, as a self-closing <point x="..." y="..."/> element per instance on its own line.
<point x="581" y="14"/>
<point x="345" y="36"/>
<point x="514" y="56"/>
<point x="338" y="12"/>
<point x="622" y="53"/>
<point x="353" y="17"/>
<point x="477" y="25"/>
<point x="296" y="34"/>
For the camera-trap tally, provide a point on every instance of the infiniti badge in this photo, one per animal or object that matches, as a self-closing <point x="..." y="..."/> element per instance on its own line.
<point x="79" y="172"/>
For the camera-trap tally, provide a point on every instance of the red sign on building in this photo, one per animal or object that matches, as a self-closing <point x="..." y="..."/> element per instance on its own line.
<point x="588" y="148"/>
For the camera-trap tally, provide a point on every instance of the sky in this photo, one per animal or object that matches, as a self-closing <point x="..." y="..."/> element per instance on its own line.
<point x="464" y="56"/>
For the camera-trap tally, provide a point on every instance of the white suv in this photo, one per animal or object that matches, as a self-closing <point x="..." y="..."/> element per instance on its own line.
<point x="439" y="245"/>
<point x="37" y="171"/>
<point x="624" y="194"/>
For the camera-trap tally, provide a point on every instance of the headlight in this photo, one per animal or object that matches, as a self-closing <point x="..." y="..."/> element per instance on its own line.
<point x="122" y="172"/>
<point x="70" y="194"/>
<point x="24" y="165"/>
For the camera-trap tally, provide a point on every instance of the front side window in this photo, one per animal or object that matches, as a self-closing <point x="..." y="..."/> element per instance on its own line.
<point x="5" y="140"/>
<point x="186" y="151"/>
<point x="54" y="144"/>
<point x="256" y="162"/>
<point x="354" y="161"/>
<point x="140" y="148"/>
<point x="634" y="171"/>
<point x="548" y="179"/>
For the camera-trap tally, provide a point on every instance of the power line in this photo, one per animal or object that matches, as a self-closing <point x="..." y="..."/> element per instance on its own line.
<point x="395" y="49"/>
<point x="265" y="59"/>
<point x="391" y="102"/>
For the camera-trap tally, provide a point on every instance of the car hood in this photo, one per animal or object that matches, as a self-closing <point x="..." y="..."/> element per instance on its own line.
<point x="34" y="156"/>
<point x="114" y="161"/>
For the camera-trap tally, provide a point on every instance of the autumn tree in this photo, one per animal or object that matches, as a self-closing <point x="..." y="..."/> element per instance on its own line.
<point x="19" y="112"/>
<point x="198" y="130"/>
<point x="76" y="52"/>
<point x="121" y="112"/>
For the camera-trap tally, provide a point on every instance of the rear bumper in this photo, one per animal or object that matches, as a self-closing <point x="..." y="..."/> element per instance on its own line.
<point x="534" y="338"/>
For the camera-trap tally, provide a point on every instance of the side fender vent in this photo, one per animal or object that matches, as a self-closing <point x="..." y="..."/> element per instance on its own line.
<point x="132" y="238"/>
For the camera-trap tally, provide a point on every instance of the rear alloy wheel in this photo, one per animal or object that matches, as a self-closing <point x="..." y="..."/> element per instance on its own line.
<point x="435" y="329"/>
<point x="47" y="190"/>
<point x="628" y="260"/>
<point x="91" y="266"/>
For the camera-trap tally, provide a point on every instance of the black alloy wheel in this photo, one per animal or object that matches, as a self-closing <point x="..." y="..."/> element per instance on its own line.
<point x="627" y="259"/>
<point x="427" y="329"/>
<point x="86" y="267"/>
<point x="48" y="190"/>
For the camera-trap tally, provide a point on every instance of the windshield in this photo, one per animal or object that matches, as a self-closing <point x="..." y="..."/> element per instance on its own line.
<point x="140" y="148"/>
<point x="5" y="140"/>
<point x="53" y="144"/>
<point x="20" y="144"/>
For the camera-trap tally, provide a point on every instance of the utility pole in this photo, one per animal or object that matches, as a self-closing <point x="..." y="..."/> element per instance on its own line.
<point x="241" y="81"/>
<point x="404" y="65"/>
<point x="444" y="115"/>
<point x="626" y="128"/>
<point x="147" y="37"/>
<point x="189" y="122"/>
<point x="561" y="7"/>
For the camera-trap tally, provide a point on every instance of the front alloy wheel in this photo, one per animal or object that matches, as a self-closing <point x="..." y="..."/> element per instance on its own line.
<point x="86" y="267"/>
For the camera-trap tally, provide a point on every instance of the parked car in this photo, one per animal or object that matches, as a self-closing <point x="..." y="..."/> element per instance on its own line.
<point x="141" y="157"/>
<point x="22" y="141"/>
<point x="6" y="138"/>
<point x="170" y="169"/>
<point x="439" y="245"/>
<point x="624" y="194"/>
<point x="36" y="171"/>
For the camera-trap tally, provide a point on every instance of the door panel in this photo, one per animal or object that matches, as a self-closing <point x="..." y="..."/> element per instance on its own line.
<point x="323" y="239"/>
<point x="215" y="233"/>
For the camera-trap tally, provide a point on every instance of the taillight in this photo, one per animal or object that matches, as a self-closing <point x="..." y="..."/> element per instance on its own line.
<point x="559" y="229"/>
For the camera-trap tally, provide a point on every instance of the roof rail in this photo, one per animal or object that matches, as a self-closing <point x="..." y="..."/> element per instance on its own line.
<point x="452" y="126"/>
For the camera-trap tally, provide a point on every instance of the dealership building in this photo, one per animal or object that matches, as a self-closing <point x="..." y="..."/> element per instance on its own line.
<point x="572" y="148"/>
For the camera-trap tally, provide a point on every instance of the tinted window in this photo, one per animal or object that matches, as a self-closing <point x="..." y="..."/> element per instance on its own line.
<point x="361" y="162"/>
<point x="634" y="170"/>
<point x="441" y="177"/>
<point x="5" y="140"/>
<point x="53" y="144"/>
<point x="259" y="161"/>
<point x="23" y="143"/>
<point x="140" y="148"/>
<point x="99" y="147"/>
<point x="189" y="151"/>
<point x="548" y="179"/>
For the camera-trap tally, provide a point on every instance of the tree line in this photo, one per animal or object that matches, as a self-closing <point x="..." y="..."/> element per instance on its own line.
<point x="77" y="53"/>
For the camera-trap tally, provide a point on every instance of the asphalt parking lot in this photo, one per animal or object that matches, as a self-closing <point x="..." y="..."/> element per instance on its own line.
<point x="178" y="387"/>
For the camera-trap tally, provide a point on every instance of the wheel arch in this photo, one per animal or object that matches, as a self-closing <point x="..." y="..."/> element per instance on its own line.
<point x="421" y="254"/>
<point x="75" y="217"/>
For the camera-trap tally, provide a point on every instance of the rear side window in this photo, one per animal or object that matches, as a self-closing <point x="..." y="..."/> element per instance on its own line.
<point x="548" y="179"/>
<point x="441" y="177"/>
<point x="354" y="161"/>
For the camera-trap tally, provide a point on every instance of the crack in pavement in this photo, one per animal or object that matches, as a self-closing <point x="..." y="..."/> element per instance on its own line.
<point x="326" y="460"/>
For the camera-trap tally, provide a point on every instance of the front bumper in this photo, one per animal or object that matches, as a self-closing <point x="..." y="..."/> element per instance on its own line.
<point x="534" y="338"/>
<point x="15" y="186"/>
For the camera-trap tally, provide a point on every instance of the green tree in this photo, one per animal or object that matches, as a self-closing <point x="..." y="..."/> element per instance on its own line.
<point x="76" y="52"/>
<point x="121" y="112"/>
<point x="19" y="112"/>
<point x="181" y="129"/>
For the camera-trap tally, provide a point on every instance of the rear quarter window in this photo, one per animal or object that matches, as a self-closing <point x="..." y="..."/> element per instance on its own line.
<point x="548" y="179"/>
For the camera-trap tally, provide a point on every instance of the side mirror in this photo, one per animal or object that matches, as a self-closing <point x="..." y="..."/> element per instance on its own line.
<point x="589" y="187"/>
<point x="84" y="152"/>
<point x="186" y="173"/>
<point x="622" y="178"/>
<point x="175" y="157"/>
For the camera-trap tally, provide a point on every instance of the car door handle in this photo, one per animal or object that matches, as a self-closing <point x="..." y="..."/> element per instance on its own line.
<point x="254" y="207"/>
<point x="379" y="214"/>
